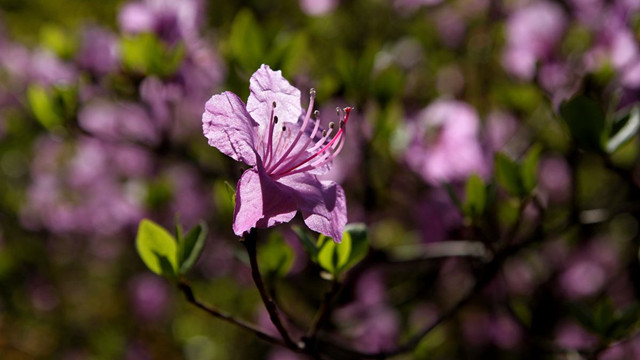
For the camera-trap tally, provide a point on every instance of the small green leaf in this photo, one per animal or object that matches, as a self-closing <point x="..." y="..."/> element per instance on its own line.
<point x="475" y="196"/>
<point x="275" y="256"/>
<point x="529" y="169"/>
<point x="191" y="247"/>
<point x="331" y="255"/>
<point x="157" y="248"/>
<point x="307" y="242"/>
<point x="629" y="129"/>
<point x="508" y="174"/>
<point x="338" y="258"/>
<point x="586" y="121"/>
<point x="357" y="234"/>
<point x="58" y="41"/>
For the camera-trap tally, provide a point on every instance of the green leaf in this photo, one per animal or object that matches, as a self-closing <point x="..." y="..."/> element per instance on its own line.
<point x="57" y="40"/>
<point x="333" y="256"/>
<point x="586" y="121"/>
<point x="357" y="234"/>
<point x="44" y="106"/>
<point x="307" y="242"/>
<point x="508" y="174"/>
<point x="275" y="256"/>
<point x="246" y="40"/>
<point x="157" y="248"/>
<point x="475" y="196"/>
<point x="338" y="258"/>
<point x="146" y="54"/>
<point x="629" y="129"/>
<point x="529" y="169"/>
<point x="191" y="246"/>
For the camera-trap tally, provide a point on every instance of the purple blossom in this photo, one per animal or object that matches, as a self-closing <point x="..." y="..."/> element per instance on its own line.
<point x="271" y="133"/>
<point x="98" y="51"/>
<point x="171" y="20"/>
<point x="318" y="7"/>
<point x="445" y="145"/>
<point x="532" y="34"/>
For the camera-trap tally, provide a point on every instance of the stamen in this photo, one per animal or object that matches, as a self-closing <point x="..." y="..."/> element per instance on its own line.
<point x="273" y="120"/>
<point x="312" y="94"/>
<point x="327" y="148"/>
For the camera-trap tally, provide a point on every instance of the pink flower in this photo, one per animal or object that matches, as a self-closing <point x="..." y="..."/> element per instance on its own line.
<point x="271" y="133"/>
<point x="445" y="144"/>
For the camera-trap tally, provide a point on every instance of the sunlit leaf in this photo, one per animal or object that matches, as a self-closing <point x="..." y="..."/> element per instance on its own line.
<point x="157" y="248"/>
<point x="627" y="132"/>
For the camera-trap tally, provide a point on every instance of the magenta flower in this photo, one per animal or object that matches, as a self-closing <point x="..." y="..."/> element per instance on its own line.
<point x="272" y="134"/>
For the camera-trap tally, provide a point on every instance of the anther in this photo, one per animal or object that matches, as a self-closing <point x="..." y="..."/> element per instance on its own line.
<point x="324" y="133"/>
<point x="284" y="128"/>
<point x="312" y="92"/>
<point x="338" y="110"/>
<point x="316" y="114"/>
<point x="274" y="104"/>
<point x="275" y="119"/>
<point x="332" y="125"/>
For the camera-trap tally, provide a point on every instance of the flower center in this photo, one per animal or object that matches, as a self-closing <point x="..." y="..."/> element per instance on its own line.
<point x="299" y="158"/>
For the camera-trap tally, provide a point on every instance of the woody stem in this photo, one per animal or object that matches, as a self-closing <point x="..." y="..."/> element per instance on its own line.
<point x="249" y="243"/>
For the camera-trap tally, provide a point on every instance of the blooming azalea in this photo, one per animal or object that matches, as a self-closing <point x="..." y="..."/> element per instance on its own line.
<point x="274" y="135"/>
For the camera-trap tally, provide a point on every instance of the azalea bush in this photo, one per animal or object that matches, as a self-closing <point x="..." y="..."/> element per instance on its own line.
<point x="392" y="179"/>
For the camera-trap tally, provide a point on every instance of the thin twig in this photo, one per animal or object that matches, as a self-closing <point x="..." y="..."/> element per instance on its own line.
<point x="249" y="243"/>
<point x="188" y="293"/>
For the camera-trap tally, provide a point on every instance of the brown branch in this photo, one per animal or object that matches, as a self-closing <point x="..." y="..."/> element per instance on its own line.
<point x="249" y="242"/>
<point x="188" y="294"/>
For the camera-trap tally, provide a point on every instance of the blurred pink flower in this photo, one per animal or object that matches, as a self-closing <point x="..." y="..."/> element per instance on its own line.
<point x="271" y="134"/>
<point x="532" y="34"/>
<point x="318" y="7"/>
<point x="445" y="145"/>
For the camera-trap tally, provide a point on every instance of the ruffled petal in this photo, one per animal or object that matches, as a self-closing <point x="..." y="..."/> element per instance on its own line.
<point x="261" y="202"/>
<point x="229" y="127"/>
<point x="268" y="86"/>
<point x="322" y="203"/>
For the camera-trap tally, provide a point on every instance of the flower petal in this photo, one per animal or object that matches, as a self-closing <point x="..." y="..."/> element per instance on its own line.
<point x="322" y="203"/>
<point x="229" y="127"/>
<point x="261" y="202"/>
<point x="268" y="86"/>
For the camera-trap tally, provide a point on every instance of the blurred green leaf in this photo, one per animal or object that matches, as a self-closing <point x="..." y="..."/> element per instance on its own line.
<point x="275" y="256"/>
<point x="145" y="53"/>
<point x="586" y="122"/>
<point x="190" y="247"/>
<point x="388" y="84"/>
<point x="475" y="196"/>
<point x="157" y="248"/>
<point x="629" y="126"/>
<point x="529" y="168"/>
<point x="58" y="41"/>
<point x="508" y="174"/>
<point x="246" y="41"/>
<point x="45" y="107"/>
